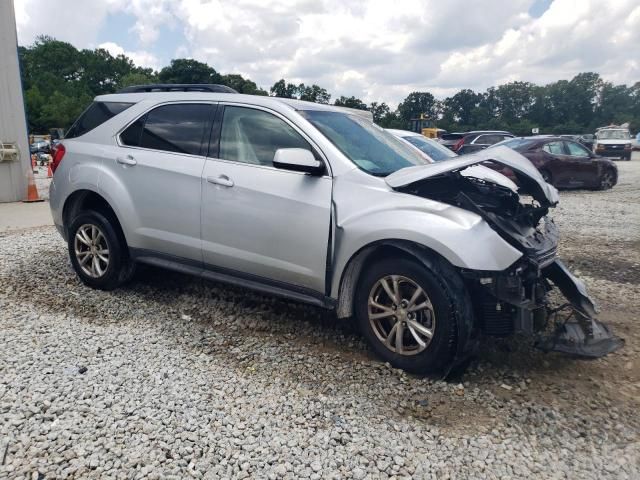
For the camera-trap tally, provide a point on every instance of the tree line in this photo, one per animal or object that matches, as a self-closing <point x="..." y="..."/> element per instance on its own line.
<point x="60" y="81"/>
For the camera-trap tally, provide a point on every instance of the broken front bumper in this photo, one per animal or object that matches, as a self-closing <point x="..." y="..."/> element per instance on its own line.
<point x="517" y="301"/>
<point x="581" y="334"/>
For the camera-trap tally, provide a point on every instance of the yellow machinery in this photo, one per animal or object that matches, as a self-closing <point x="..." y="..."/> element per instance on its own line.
<point x="426" y="127"/>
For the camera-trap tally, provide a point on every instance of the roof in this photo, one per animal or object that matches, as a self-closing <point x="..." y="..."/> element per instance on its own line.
<point x="403" y="133"/>
<point x="168" y="96"/>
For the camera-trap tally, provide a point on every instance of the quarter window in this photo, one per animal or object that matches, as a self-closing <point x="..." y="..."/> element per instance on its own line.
<point x="96" y="115"/>
<point x="179" y="128"/>
<point x="253" y="136"/>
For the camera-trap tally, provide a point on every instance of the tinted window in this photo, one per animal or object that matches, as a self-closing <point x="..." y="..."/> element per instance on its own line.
<point x="177" y="128"/>
<point x="131" y="136"/>
<point x="95" y="115"/>
<point x="554" y="148"/>
<point x="430" y="147"/>
<point x="519" y="144"/>
<point x="367" y="145"/>
<point x="490" y="139"/>
<point x="576" y="149"/>
<point x="253" y="136"/>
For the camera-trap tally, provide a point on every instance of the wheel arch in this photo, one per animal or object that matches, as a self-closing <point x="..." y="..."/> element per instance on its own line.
<point x="368" y="253"/>
<point x="83" y="200"/>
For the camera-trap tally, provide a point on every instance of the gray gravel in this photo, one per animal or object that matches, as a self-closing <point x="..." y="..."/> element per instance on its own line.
<point x="173" y="377"/>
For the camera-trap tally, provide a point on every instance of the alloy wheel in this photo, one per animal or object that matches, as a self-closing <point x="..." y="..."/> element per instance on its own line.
<point x="91" y="250"/>
<point x="401" y="315"/>
<point x="606" y="182"/>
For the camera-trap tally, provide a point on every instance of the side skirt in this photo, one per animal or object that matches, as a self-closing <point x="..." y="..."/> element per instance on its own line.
<point x="232" y="277"/>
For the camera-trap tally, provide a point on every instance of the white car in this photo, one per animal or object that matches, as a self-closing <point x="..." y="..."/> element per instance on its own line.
<point x="435" y="152"/>
<point x="613" y="142"/>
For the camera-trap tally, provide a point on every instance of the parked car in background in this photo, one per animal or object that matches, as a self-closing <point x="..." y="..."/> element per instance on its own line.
<point x="40" y="146"/>
<point x="587" y="140"/>
<point x="450" y="139"/>
<point x="635" y="143"/>
<point x="613" y="142"/>
<point x="479" y="140"/>
<point x="434" y="150"/>
<point x="565" y="163"/>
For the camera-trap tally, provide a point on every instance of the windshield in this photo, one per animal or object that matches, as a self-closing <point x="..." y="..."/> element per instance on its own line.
<point x="613" y="135"/>
<point x="367" y="145"/>
<point x="430" y="147"/>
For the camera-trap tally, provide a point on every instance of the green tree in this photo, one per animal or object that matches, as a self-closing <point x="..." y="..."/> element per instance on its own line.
<point x="418" y="103"/>
<point x="350" y="102"/>
<point x="313" y="93"/>
<point x="241" y="84"/>
<point x="284" y="90"/>
<point x="187" y="70"/>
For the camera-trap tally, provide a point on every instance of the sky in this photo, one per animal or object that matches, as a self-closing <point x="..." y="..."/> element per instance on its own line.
<point x="376" y="50"/>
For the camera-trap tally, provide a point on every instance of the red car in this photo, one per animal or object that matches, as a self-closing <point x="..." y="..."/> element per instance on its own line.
<point x="564" y="163"/>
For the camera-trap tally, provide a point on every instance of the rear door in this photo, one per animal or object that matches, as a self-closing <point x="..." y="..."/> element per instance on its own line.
<point x="259" y="220"/>
<point x="160" y="164"/>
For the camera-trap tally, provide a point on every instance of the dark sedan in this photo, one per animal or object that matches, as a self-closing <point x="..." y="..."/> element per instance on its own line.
<point x="565" y="163"/>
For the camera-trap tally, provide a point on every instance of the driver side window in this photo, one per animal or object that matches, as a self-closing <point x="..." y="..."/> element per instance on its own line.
<point x="253" y="136"/>
<point x="554" y="148"/>
<point x="576" y="150"/>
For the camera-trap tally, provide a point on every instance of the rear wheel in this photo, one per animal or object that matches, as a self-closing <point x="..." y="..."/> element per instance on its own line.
<point x="408" y="313"/>
<point x="98" y="251"/>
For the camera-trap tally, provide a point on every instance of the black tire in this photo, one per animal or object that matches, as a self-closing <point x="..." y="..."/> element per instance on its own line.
<point x="448" y="297"/>
<point x="607" y="180"/>
<point x="546" y="175"/>
<point x="119" y="268"/>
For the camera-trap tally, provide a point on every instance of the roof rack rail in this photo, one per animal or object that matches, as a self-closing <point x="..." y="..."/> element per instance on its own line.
<point x="178" y="87"/>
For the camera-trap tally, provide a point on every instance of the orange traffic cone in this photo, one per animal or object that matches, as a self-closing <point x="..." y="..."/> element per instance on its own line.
<point x="32" y="191"/>
<point x="49" y="171"/>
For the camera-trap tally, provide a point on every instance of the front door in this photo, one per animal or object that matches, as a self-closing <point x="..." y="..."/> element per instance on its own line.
<point x="584" y="171"/>
<point x="258" y="220"/>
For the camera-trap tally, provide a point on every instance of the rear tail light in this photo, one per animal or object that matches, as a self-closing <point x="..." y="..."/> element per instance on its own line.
<point x="458" y="145"/>
<point x="58" y="152"/>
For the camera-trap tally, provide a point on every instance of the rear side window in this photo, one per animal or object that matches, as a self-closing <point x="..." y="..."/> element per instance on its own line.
<point x="178" y="128"/>
<point x="490" y="139"/>
<point x="95" y="115"/>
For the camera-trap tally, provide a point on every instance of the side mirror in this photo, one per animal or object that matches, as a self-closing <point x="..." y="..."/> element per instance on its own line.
<point x="297" y="160"/>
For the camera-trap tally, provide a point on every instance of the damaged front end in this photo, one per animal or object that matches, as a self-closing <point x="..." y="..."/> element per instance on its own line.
<point x="518" y="299"/>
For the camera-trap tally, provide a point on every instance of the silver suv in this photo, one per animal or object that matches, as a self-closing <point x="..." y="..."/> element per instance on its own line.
<point x="318" y="204"/>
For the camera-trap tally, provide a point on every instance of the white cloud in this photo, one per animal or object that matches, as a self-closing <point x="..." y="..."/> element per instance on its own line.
<point x="377" y="50"/>
<point x="139" y="57"/>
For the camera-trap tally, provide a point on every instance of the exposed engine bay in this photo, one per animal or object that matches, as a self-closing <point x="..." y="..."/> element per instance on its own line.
<point x="518" y="299"/>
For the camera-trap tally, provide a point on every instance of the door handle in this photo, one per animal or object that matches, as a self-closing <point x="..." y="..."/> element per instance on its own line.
<point x="221" y="180"/>
<point x="128" y="160"/>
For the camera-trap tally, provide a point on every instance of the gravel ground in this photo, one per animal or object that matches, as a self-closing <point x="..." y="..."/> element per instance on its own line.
<point x="174" y="377"/>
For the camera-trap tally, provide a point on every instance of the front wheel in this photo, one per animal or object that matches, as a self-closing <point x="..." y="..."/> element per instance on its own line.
<point x="408" y="312"/>
<point x="607" y="180"/>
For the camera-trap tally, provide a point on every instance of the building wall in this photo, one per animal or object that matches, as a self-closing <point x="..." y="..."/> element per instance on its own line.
<point x="13" y="125"/>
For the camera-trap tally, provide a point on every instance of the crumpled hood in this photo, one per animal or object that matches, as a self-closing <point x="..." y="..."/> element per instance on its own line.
<point x="527" y="174"/>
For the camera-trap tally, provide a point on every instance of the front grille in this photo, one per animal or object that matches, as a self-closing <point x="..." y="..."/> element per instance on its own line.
<point x="496" y="317"/>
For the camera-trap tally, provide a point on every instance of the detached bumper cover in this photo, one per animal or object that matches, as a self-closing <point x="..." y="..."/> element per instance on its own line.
<point x="583" y="336"/>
